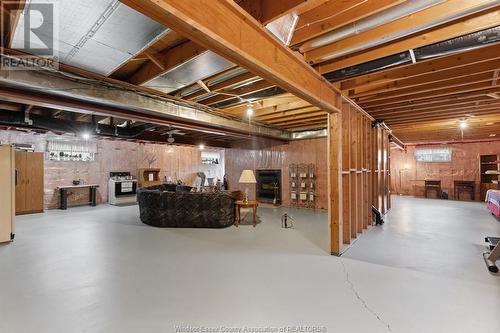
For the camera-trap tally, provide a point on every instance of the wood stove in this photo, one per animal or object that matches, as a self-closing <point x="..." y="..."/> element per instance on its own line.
<point x="269" y="186"/>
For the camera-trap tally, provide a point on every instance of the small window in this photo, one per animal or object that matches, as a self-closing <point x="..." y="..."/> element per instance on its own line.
<point x="433" y="154"/>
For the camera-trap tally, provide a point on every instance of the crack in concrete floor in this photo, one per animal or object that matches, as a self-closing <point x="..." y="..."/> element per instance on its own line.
<point x="363" y="302"/>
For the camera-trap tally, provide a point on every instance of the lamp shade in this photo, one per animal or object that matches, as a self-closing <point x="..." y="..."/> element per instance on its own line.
<point x="247" y="177"/>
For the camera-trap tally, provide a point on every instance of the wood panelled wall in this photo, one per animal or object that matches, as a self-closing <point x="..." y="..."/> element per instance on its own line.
<point x="280" y="156"/>
<point x="358" y="171"/>
<point x="408" y="175"/>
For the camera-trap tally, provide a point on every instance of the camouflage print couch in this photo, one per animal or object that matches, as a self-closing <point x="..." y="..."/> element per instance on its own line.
<point x="160" y="206"/>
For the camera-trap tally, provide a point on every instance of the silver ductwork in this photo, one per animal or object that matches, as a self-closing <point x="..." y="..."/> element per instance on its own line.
<point x="97" y="35"/>
<point x="198" y="68"/>
<point x="145" y="107"/>
<point x="371" y="22"/>
<point x="413" y="30"/>
<point x="452" y="46"/>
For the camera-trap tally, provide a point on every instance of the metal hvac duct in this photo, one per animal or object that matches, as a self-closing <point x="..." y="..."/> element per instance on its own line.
<point x="40" y="86"/>
<point x="197" y="68"/>
<point x="451" y="46"/>
<point x="371" y="22"/>
<point x="60" y="125"/>
<point x="97" y="35"/>
<point x="410" y="31"/>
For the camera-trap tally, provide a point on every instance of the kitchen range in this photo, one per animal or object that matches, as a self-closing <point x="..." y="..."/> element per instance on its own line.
<point x="122" y="188"/>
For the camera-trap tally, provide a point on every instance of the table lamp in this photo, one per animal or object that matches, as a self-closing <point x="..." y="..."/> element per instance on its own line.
<point x="247" y="177"/>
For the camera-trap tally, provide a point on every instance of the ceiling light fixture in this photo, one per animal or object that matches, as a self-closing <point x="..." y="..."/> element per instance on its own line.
<point x="492" y="135"/>
<point x="86" y="136"/>
<point x="463" y="124"/>
<point x="249" y="110"/>
<point x="201" y="146"/>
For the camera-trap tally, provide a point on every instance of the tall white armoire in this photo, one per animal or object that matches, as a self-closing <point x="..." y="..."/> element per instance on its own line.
<point x="7" y="193"/>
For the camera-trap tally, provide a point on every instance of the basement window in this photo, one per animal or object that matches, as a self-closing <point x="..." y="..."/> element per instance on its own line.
<point x="83" y="151"/>
<point x="442" y="154"/>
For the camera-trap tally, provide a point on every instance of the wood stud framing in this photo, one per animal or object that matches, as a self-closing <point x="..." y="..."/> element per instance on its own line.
<point x="356" y="152"/>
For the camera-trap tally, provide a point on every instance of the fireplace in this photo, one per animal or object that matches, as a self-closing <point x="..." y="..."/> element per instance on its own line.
<point x="269" y="186"/>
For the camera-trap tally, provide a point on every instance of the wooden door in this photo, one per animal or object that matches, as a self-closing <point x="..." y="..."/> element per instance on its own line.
<point x="34" y="175"/>
<point x="21" y="182"/>
<point x="29" y="185"/>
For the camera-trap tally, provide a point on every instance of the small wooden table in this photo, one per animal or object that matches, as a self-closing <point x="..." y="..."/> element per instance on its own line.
<point x="63" y="190"/>
<point x="250" y="204"/>
<point x="435" y="185"/>
<point x="464" y="186"/>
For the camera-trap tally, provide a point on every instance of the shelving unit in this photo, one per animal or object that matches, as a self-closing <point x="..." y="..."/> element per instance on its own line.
<point x="303" y="185"/>
<point x="489" y="172"/>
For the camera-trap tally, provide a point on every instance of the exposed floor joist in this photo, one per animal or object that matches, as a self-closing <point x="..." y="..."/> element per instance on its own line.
<point x="242" y="40"/>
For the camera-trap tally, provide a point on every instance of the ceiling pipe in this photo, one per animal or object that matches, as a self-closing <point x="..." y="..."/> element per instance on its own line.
<point x="451" y="46"/>
<point x="371" y="22"/>
<point x="413" y="30"/>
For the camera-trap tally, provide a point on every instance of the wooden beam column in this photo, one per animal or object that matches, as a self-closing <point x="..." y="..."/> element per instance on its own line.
<point x="225" y="28"/>
<point x="335" y="212"/>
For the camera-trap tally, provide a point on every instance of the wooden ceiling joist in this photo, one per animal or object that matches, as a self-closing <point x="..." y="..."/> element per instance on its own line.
<point x="484" y="79"/>
<point x="462" y="59"/>
<point x="476" y="88"/>
<point x="469" y="73"/>
<point x="242" y="40"/>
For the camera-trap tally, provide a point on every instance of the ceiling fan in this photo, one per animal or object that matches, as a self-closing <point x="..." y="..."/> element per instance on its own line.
<point x="171" y="133"/>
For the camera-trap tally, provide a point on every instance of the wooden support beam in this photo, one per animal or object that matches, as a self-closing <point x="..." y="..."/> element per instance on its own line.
<point x="460" y="28"/>
<point x="266" y="11"/>
<point x="335" y="211"/>
<point x="203" y="86"/>
<point x="286" y="113"/>
<point x="241" y="39"/>
<point x="346" y="174"/>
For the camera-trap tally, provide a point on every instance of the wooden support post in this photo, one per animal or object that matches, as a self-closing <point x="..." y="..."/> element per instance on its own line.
<point x="335" y="182"/>
<point x="346" y="174"/>
<point x="354" y="179"/>
<point x="359" y="174"/>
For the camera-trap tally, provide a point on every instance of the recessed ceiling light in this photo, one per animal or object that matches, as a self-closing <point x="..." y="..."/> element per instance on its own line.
<point x="201" y="146"/>
<point x="492" y="135"/>
<point x="86" y="136"/>
<point x="250" y="111"/>
<point x="463" y="124"/>
<point x="490" y="123"/>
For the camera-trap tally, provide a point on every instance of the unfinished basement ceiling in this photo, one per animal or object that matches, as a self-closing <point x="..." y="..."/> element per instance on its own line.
<point x="198" y="68"/>
<point x="97" y="35"/>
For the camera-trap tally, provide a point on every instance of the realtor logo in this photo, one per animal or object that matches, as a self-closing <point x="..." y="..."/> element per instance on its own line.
<point x="34" y="34"/>
<point x="38" y="29"/>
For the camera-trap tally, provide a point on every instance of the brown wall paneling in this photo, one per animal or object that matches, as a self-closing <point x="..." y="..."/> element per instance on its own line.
<point x="408" y="175"/>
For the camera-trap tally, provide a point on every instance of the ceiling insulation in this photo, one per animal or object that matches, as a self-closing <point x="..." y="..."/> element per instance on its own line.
<point x="97" y="35"/>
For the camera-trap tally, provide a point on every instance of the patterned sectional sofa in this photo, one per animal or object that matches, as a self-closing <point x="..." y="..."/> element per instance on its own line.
<point x="161" y="206"/>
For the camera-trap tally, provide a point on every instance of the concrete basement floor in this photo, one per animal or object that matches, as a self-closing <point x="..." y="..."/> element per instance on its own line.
<point x="101" y="270"/>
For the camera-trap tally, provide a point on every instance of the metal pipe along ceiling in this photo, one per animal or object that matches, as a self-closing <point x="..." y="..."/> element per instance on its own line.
<point x="413" y="30"/>
<point x="369" y="23"/>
